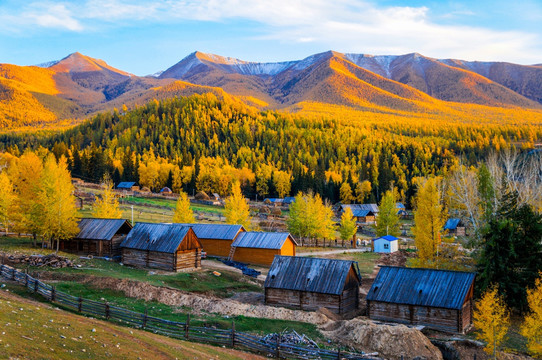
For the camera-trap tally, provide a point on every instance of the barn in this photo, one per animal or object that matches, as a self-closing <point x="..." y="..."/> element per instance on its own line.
<point x="437" y="299"/>
<point x="170" y="247"/>
<point x="255" y="247"/>
<point x="216" y="239"/>
<point x="311" y="283"/>
<point x="455" y="227"/>
<point x="386" y="244"/>
<point x="98" y="237"/>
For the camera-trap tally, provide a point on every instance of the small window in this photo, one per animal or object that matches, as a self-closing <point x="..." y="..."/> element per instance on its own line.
<point x="386" y="246"/>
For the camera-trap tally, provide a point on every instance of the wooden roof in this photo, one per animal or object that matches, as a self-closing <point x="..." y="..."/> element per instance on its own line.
<point x="422" y="287"/>
<point x="216" y="231"/>
<point x="164" y="238"/>
<point x="102" y="229"/>
<point x="327" y="276"/>
<point x="262" y="240"/>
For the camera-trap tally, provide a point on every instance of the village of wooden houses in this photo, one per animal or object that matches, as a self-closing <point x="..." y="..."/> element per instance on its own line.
<point x="262" y="283"/>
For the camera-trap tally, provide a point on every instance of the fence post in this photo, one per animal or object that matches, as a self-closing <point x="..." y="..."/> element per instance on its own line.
<point x="145" y="318"/>
<point x="53" y="294"/>
<point x="339" y="354"/>
<point x="13" y="274"/>
<point x="26" y="278"/>
<point x="233" y="334"/>
<point x="187" y="326"/>
<point x="36" y="284"/>
<point x="277" y="355"/>
<point x="80" y="304"/>
<point x="106" y="310"/>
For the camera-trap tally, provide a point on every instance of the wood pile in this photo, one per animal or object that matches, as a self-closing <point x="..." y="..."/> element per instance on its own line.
<point x="290" y="338"/>
<point x="51" y="260"/>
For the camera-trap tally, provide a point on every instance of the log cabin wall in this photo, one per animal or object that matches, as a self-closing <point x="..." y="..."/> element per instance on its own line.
<point x="216" y="247"/>
<point x="255" y="256"/>
<point x="434" y="318"/>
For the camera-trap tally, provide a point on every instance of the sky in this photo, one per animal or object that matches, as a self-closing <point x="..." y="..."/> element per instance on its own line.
<point x="144" y="37"/>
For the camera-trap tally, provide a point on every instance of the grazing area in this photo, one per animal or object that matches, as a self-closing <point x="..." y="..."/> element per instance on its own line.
<point x="31" y="329"/>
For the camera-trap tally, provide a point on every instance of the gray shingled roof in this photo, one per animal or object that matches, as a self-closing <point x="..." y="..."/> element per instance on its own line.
<point x="216" y="231"/>
<point x="422" y="287"/>
<point x="261" y="240"/>
<point x="327" y="276"/>
<point x="354" y="207"/>
<point x="101" y="229"/>
<point x="164" y="238"/>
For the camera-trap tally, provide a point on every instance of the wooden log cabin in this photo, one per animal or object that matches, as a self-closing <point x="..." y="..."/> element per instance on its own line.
<point x="260" y="248"/>
<point x="311" y="283"/>
<point x="216" y="239"/>
<point x="455" y="226"/>
<point x="437" y="299"/>
<point x="170" y="247"/>
<point x="98" y="237"/>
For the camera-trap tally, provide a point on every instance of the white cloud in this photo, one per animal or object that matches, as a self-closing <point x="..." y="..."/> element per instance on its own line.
<point x="342" y="25"/>
<point x="52" y="16"/>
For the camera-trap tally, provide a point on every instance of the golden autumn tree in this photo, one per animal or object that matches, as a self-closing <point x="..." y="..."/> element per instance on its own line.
<point x="7" y="201"/>
<point x="362" y="190"/>
<point x="57" y="211"/>
<point x="346" y="193"/>
<point x="387" y="219"/>
<point x="348" y="226"/>
<point x="27" y="178"/>
<point x="183" y="214"/>
<point x="492" y="320"/>
<point x="532" y="325"/>
<point x="310" y="217"/>
<point x="107" y="207"/>
<point x="236" y="209"/>
<point x="428" y="222"/>
<point x="282" y="181"/>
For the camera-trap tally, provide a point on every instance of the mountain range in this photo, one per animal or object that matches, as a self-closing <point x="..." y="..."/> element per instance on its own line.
<point x="78" y="85"/>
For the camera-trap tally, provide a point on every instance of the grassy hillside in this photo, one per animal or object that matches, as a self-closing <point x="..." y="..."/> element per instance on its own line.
<point x="32" y="330"/>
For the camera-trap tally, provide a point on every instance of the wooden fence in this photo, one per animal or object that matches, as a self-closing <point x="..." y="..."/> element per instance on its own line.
<point x="174" y="329"/>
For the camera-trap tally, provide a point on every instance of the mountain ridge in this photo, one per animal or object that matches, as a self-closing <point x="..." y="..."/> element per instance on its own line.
<point x="77" y="85"/>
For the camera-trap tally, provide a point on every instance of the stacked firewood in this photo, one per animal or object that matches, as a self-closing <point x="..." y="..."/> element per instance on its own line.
<point x="289" y="338"/>
<point x="51" y="260"/>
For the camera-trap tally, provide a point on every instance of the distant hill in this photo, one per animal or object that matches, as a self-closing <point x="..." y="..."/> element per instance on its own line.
<point x="78" y="86"/>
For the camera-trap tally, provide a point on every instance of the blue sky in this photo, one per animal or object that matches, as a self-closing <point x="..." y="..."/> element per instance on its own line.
<point x="143" y="37"/>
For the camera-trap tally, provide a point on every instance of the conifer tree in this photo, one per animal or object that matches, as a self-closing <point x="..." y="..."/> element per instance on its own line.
<point x="348" y="226"/>
<point x="492" y="320"/>
<point x="183" y="214"/>
<point x="236" y="209"/>
<point x="387" y="219"/>
<point x="7" y="201"/>
<point x="107" y="207"/>
<point x="429" y="221"/>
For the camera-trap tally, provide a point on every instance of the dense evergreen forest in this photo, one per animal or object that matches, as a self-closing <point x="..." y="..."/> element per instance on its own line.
<point x="202" y="143"/>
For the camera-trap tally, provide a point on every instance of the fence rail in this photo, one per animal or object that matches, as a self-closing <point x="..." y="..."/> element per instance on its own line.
<point x="174" y="329"/>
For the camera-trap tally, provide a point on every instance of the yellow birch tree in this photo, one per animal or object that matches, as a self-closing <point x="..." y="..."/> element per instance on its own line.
<point x="532" y="325"/>
<point x="107" y="207"/>
<point x="236" y="209"/>
<point x="491" y="319"/>
<point x="348" y="225"/>
<point x="183" y="214"/>
<point x="7" y="201"/>
<point x="428" y="222"/>
<point x="57" y="209"/>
